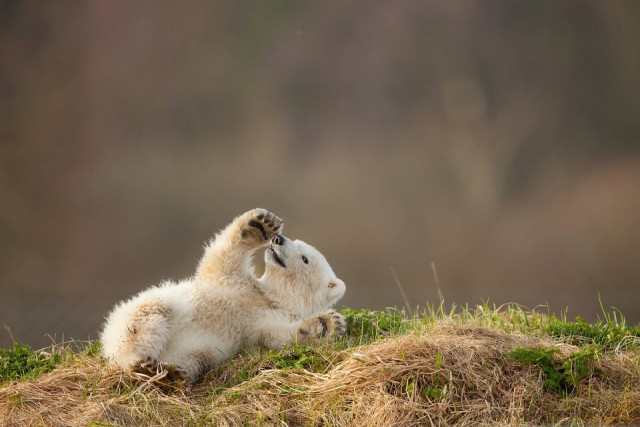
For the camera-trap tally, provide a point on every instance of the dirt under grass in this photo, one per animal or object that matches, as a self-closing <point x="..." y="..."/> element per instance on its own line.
<point x="489" y="366"/>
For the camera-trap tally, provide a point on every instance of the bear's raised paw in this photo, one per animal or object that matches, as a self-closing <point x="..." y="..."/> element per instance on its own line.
<point x="260" y="225"/>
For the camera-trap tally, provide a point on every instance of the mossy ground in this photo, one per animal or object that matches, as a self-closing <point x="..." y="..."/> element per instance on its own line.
<point x="486" y="365"/>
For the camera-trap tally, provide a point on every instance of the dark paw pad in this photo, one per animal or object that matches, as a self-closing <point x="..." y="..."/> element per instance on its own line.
<point x="263" y="224"/>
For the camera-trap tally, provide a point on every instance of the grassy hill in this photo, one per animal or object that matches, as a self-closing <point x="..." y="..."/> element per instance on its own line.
<point x="487" y="365"/>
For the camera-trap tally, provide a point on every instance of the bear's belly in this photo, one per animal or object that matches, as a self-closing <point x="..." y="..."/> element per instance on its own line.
<point x="203" y="345"/>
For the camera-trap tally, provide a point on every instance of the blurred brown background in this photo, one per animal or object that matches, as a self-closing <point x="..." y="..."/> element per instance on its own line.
<point x="498" y="139"/>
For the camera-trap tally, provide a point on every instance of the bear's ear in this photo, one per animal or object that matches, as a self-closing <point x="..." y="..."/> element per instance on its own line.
<point x="336" y="283"/>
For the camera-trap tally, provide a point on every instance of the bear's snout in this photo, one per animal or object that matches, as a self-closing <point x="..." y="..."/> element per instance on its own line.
<point x="278" y="240"/>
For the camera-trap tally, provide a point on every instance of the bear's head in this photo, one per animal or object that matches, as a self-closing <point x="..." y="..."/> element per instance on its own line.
<point x="299" y="277"/>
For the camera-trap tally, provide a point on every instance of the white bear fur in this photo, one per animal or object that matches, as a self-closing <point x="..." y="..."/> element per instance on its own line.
<point x="197" y="323"/>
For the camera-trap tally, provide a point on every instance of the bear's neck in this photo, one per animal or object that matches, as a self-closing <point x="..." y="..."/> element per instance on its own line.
<point x="289" y="296"/>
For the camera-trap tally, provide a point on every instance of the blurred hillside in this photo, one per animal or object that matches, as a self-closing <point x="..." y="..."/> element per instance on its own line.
<point x="498" y="139"/>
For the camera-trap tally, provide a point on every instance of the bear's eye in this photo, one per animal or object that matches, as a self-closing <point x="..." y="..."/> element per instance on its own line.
<point x="305" y="260"/>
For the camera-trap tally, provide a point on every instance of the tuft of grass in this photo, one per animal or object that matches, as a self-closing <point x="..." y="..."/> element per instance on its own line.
<point x="610" y="333"/>
<point x="367" y="326"/>
<point x="561" y="375"/>
<point x="297" y="357"/>
<point x="22" y="362"/>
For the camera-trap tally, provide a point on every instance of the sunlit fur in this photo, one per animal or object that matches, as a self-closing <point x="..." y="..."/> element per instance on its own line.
<point x="196" y="323"/>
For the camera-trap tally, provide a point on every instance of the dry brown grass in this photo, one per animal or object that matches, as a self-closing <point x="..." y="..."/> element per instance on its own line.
<point x="453" y="374"/>
<point x="475" y="383"/>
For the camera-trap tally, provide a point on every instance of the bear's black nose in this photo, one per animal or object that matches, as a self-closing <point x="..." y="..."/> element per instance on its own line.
<point x="278" y="240"/>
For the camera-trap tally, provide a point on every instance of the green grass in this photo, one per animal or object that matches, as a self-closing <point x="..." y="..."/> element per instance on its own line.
<point x="566" y="357"/>
<point x="21" y="362"/>
<point x="369" y="326"/>
<point x="609" y="333"/>
<point x="561" y="375"/>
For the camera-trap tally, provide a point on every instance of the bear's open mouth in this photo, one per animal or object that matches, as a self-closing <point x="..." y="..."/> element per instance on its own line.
<point x="276" y="258"/>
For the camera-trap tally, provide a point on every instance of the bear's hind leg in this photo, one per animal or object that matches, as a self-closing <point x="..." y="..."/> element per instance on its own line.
<point x="146" y="334"/>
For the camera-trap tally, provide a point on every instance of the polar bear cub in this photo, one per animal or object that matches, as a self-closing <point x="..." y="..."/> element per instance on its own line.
<point x="188" y="327"/>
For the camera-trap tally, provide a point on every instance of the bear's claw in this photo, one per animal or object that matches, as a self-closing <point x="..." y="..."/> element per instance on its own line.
<point x="262" y="224"/>
<point x="176" y="374"/>
<point x="334" y="324"/>
<point x="339" y="324"/>
<point x="148" y="366"/>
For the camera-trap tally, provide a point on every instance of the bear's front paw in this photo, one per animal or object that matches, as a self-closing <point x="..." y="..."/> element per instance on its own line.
<point x="339" y="323"/>
<point x="260" y="225"/>
<point x="334" y="324"/>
